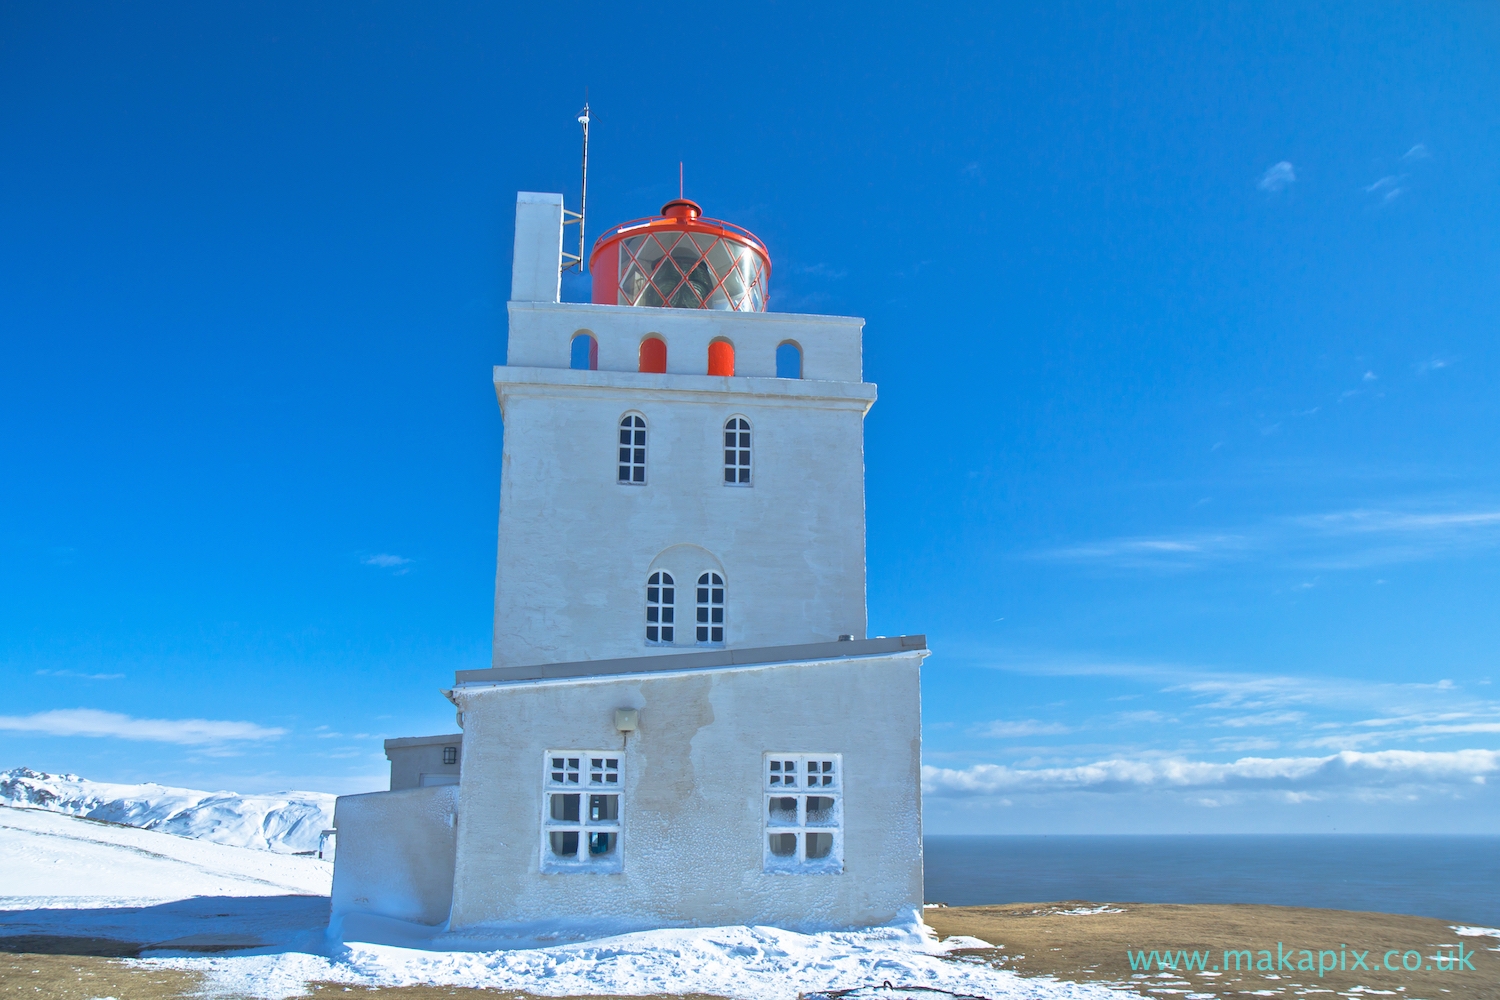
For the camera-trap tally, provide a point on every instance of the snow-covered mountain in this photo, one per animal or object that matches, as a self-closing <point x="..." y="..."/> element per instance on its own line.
<point x="283" y="822"/>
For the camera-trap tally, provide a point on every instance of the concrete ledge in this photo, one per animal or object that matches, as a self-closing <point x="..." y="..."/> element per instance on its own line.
<point x="697" y="660"/>
<point x="513" y="378"/>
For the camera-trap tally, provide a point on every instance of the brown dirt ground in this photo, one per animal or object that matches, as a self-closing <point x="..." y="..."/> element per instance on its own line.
<point x="1039" y="939"/>
<point x="1034" y="939"/>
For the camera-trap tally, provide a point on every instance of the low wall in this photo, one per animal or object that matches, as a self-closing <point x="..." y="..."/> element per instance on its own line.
<point x="395" y="854"/>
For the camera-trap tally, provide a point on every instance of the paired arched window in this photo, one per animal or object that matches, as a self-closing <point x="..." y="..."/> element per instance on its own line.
<point x="661" y="600"/>
<point x="654" y="355"/>
<point x="585" y="357"/>
<point x="632" y="463"/>
<point x="737" y="452"/>
<point x="721" y="358"/>
<point x="710" y="608"/>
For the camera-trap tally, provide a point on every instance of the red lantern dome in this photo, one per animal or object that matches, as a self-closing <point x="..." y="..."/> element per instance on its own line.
<point x="681" y="260"/>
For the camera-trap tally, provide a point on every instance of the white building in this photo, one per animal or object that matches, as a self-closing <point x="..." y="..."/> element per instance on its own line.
<point x="683" y="723"/>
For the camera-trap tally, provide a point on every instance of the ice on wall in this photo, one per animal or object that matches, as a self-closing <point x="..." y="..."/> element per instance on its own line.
<point x="284" y="822"/>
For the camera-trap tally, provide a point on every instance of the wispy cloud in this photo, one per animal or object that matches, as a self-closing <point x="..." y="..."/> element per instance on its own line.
<point x="1388" y="187"/>
<point x="1417" y="152"/>
<point x="1277" y="177"/>
<point x="91" y="722"/>
<point x="1024" y="727"/>
<point x="1153" y="552"/>
<point x="79" y="676"/>
<point x="1348" y="539"/>
<point x="821" y="270"/>
<point x="386" y="560"/>
<point x="1340" y="771"/>
<point x="1262" y="719"/>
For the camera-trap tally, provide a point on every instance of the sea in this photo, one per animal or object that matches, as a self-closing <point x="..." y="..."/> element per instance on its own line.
<point x="1454" y="878"/>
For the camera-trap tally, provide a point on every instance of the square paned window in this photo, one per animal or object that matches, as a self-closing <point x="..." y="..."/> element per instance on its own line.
<point x="804" y="813"/>
<point x="581" y="811"/>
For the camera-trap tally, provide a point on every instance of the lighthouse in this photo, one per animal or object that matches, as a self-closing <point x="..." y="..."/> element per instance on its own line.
<point x="684" y="721"/>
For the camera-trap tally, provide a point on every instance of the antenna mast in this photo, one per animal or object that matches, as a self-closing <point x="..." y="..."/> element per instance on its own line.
<point x="569" y="218"/>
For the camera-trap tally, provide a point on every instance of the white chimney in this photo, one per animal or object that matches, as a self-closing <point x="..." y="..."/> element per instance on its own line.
<point x="536" y="271"/>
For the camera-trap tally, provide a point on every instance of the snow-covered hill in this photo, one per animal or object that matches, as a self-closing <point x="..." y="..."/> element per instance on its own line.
<point x="284" y="822"/>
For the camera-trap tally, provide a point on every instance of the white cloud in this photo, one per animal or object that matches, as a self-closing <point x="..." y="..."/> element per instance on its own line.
<point x="1023" y="727"/>
<point x="1341" y="770"/>
<point x="385" y="560"/>
<point x="1417" y="152"/>
<point x="1277" y="177"/>
<point x="91" y="722"/>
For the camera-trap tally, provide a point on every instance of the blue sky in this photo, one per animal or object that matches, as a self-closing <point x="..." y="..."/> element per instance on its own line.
<point x="1184" y="319"/>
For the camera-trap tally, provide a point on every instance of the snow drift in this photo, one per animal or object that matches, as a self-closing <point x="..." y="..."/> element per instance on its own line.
<point x="283" y="822"/>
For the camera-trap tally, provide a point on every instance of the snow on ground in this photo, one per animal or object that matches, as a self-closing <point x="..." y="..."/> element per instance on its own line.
<point x="64" y="876"/>
<point x="754" y="963"/>
<point x="71" y="877"/>
<point x="46" y="855"/>
<point x="285" y="822"/>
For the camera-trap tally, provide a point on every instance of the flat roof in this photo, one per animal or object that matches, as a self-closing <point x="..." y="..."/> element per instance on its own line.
<point x="422" y="741"/>
<point x="700" y="659"/>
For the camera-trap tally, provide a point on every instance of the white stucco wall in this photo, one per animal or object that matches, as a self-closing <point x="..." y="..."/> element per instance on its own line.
<point x="693" y="824"/>
<point x="395" y="854"/>
<point x="576" y="547"/>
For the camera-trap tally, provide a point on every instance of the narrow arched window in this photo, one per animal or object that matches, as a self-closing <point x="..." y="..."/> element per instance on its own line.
<point x="654" y="355"/>
<point x="585" y="352"/>
<point x="737" y="452"/>
<point x="710" y="608"/>
<point x="721" y="358"/>
<point x="661" y="600"/>
<point x="788" y="360"/>
<point x="632" y="464"/>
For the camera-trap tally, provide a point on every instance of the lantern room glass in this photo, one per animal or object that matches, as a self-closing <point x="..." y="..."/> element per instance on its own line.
<point x="685" y="270"/>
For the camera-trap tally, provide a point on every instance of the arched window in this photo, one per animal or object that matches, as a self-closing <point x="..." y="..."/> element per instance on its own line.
<point x="585" y="352"/>
<point x="661" y="598"/>
<point x="737" y="452"/>
<point x="632" y="462"/>
<point x="654" y="355"/>
<point x="788" y="360"/>
<point x="710" y="608"/>
<point x="721" y="358"/>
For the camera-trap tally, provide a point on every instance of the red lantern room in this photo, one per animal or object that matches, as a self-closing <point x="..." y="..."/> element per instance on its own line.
<point x="681" y="260"/>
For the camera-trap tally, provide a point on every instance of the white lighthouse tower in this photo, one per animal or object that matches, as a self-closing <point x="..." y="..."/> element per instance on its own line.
<point x="683" y="722"/>
<point x="672" y="450"/>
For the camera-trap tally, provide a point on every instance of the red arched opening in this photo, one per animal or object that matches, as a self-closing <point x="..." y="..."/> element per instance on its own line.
<point x="654" y="355"/>
<point x="721" y="358"/>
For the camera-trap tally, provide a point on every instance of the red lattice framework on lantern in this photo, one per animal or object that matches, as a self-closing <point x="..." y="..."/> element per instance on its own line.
<point x="681" y="260"/>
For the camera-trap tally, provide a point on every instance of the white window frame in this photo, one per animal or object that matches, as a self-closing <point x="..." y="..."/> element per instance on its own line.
<point x="632" y="425"/>
<point x="739" y="457"/>
<point x="779" y="822"/>
<point x="583" y="780"/>
<point x="704" y="625"/>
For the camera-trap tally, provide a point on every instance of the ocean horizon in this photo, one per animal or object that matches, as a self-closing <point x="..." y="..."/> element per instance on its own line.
<point x="1450" y="877"/>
